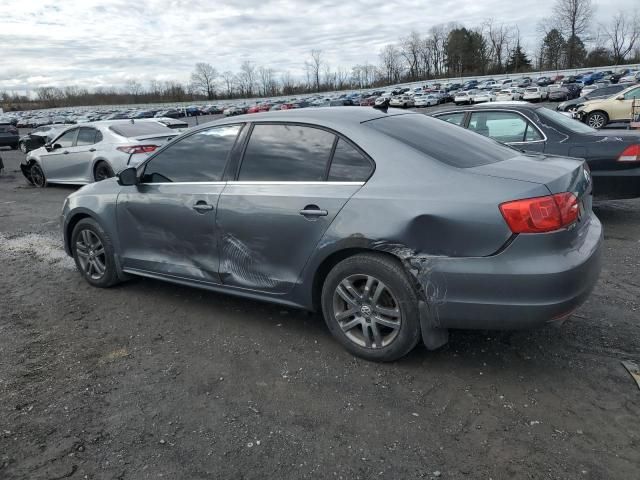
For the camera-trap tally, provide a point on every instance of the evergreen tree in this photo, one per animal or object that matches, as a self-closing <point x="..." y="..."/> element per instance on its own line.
<point x="518" y="61"/>
<point x="553" y="47"/>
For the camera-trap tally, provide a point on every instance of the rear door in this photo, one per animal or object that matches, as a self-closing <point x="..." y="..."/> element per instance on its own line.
<point x="166" y="223"/>
<point x="83" y="153"/>
<point x="285" y="195"/>
<point x="621" y="109"/>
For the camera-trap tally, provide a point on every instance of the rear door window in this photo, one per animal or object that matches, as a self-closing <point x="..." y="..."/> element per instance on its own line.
<point x="86" y="136"/>
<point x="282" y="152"/>
<point x="200" y="157"/>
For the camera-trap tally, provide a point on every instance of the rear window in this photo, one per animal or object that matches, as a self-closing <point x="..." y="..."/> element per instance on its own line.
<point x="138" y="128"/>
<point x="444" y="142"/>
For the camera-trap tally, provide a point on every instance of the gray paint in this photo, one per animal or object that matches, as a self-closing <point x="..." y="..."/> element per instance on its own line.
<point x="442" y="223"/>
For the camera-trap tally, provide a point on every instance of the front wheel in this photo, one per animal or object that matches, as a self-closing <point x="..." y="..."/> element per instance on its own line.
<point x="37" y="177"/>
<point x="93" y="253"/>
<point x="597" y="119"/>
<point x="371" y="307"/>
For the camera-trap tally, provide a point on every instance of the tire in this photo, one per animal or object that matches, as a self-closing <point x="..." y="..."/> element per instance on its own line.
<point x="23" y="147"/>
<point x="102" y="171"/>
<point x="597" y="119"/>
<point x="363" y="329"/>
<point x="93" y="253"/>
<point x="37" y="176"/>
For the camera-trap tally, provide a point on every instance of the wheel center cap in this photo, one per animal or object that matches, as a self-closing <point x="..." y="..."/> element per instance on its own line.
<point x="365" y="310"/>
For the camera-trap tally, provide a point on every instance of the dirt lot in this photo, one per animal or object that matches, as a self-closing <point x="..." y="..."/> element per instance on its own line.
<point x="151" y="380"/>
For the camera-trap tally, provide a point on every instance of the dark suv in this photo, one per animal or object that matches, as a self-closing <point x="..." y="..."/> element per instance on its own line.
<point x="9" y="136"/>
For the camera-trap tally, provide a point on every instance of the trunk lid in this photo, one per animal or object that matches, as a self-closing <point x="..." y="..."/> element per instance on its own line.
<point x="558" y="174"/>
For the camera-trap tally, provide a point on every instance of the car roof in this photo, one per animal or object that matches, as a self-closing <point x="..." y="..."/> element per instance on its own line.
<point x="321" y="116"/>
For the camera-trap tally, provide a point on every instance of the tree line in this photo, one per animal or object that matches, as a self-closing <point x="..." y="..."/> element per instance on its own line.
<point x="569" y="39"/>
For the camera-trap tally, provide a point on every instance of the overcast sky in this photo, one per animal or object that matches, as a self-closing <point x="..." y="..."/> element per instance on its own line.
<point x="106" y="42"/>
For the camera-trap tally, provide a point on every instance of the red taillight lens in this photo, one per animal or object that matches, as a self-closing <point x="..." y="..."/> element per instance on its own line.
<point x="138" y="149"/>
<point x="541" y="214"/>
<point x="630" y="154"/>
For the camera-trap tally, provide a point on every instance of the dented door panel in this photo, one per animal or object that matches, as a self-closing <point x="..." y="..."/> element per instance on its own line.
<point x="267" y="231"/>
<point x="169" y="229"/>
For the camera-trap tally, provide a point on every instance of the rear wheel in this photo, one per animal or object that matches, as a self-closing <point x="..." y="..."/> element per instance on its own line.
<point x="371" y="307"/>
<point x="597" y="119"/>
<point x="37" y="176"/>
<point x="102" y="171"/>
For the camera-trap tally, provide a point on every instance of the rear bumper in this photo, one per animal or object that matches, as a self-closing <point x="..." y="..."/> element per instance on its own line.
<point x="536" y="279"/>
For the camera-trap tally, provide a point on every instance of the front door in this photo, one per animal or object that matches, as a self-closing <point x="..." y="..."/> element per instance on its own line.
<point x="166" y="223"/>
<point x="621" y="109"/>
<point x="61" y="162"/>
<point x="272" y="218"/>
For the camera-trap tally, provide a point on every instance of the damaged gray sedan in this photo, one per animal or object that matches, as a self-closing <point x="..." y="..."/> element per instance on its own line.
<point x="396" y="226"/>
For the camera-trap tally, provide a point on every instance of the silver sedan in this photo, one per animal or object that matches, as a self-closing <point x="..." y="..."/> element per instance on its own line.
<point x="90" y="152"/>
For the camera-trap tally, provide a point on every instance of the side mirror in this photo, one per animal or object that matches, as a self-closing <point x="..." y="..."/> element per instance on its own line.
<point x="127" y="177"/>
<point x="620" y="97"/>
<point x="56" y="146"/>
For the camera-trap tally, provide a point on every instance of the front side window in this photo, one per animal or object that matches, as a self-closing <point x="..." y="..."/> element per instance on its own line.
<point x="67" y="139"/>
<point x="455" y="118"/>
<point x="632" y="94"/>
<point x="200" y="157"/>
<point x="86" y="136"/>
<point x="286" y="153"/>
<point x="348" y="164"/>
<point x="505" y="127"/>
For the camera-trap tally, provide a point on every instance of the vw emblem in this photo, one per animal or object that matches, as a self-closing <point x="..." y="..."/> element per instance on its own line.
<point x="365" y="310"/>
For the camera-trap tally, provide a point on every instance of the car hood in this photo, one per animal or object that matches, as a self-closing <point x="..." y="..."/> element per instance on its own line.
<point x="595" y="103"/>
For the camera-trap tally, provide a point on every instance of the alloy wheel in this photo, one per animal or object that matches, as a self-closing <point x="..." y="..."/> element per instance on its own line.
<point x="367" y="311"/>
<point x="596" y="120"/>
<point x="37" y="175"/>
<point x="23" y="147"/>
<point x="91" y="254"/>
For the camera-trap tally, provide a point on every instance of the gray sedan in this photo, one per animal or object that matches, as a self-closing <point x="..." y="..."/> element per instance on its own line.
<point x="395" y="225"/>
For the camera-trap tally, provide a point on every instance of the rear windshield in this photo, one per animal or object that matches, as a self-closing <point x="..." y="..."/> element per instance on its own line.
<point x="138" y="128"/>
<point x="442" y="141"/>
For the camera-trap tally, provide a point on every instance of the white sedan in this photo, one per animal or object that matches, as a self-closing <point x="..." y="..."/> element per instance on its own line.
<point x="482" y="96"/>
<point x="508" y="94"/>
<point x="425" y="100"/>
<point x="91" y="152"/>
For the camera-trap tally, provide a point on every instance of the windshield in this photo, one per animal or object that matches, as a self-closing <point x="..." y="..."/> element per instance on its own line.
<point x="565" y="121"/>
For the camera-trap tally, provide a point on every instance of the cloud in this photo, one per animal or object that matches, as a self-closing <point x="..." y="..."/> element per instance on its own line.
<point x="104" y="43"/>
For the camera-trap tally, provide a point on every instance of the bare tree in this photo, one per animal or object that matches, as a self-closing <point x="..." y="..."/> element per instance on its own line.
<point x="391" y="63"/>
<point x="203" y="79"/>
<point x="247" y="78"/>
<point x="573" y="18"/>
<point x="623" y="32"/>
<point x="410" y="51"/>
<point x="267" y="81"/>
<point x="315" y="65"/>
<point x="228" y="80"/>
<point x="498" y="36"/>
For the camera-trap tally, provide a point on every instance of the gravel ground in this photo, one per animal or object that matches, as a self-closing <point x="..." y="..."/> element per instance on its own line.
<point x="151" y="380"/>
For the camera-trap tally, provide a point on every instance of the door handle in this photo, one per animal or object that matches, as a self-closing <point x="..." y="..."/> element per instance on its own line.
<point x="92" y="149"/>
<point x="66" y="152"/>
<point x="202" y="207"/>
<point x="313" y="211"/>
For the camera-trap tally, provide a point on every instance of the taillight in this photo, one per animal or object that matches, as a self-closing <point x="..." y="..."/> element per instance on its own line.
<point x="541" y="214"/>
<point x="630" y="154"/>
<point x="138" y="149"/>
